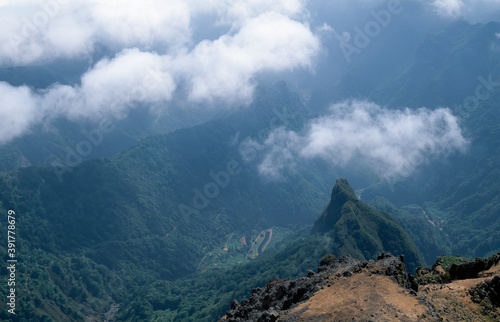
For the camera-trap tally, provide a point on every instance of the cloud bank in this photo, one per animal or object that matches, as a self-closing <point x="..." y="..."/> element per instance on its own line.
<point x="388" y="142"/>
<point x="471" y="10"/>
<point x="156" y="57"/>
<point x="448" y="8"/>
<point x="17" y="111"/>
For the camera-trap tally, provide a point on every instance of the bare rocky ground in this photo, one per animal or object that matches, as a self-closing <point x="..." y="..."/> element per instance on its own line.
<point x="382" y="290"/>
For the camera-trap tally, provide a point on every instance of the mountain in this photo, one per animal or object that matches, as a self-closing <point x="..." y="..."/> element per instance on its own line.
<point x="362" y="231"/>
<point x="441" y="68"/>
<point x="358" y="290"/>
<point x="174" y="225"/>
<point x="91" y="234"/>
<point x="286" y="259"/>
<point x="449" y="207"/>
<point x="69" y="142"/>
<point x="445" y="65"/>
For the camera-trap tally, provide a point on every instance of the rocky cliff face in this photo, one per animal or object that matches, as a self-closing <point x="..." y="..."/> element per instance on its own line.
<point x="379" y="290"/>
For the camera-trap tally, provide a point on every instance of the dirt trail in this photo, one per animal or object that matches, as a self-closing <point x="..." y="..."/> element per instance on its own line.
<point x="362" y="297"/>
<point x="367" y="297"/>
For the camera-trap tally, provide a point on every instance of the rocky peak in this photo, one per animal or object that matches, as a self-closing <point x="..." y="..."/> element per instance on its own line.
<point x="342" y="193"/>
<point x="362" y="231"/>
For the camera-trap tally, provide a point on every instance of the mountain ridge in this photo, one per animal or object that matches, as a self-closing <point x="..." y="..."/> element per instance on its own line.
<point x="359" y="229"/>
<point x="348" y="289"/>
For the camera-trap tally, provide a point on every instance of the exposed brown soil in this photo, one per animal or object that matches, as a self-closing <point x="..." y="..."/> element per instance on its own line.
<point x="366" y="297"/>
<point x="453" y="302"/>
<point x="371" y="291"/>
<point x="361" y="297"/>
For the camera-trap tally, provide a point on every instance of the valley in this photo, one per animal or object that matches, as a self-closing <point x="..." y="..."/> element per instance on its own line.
<point x="286" y="160"/>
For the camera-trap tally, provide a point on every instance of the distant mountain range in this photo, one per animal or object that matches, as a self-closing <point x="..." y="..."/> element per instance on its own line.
<point x="149" y="227"/>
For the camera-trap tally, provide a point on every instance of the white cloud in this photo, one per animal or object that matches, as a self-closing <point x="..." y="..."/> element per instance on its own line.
<point x="388" y="142"/>
<point x="155" y="53"/>
<point x="17" y="111"/>
<point x="224" y="68"/>
<point x="112" y="87"/>
<point x="473" y="11"/>
<point x="144" y="24"/>
<point x="34" y="31"/>
<point x="239" y="11"/>
<point x="448" y="8"/>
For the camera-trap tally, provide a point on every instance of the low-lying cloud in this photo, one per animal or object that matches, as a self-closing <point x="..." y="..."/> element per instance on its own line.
<point x="471" y="10"/>
<point x="448" y="8"/>
<point x="155" y="58"/>
<point x="224" y="68"/>
<point x="17" y="111"/>
<point x="358" y="133"/>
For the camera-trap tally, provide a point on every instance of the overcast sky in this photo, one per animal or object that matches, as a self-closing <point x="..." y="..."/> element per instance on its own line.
<point x="204" y="51"/>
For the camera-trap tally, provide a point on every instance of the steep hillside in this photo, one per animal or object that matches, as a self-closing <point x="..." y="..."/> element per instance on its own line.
<point x="360" y="231"/>
<point x="445" y="66"/>
<point x="287" y="259"/>
<point x="65" y="142"/>
<point x="154" y="211"/>
<point x="451" y="207"/>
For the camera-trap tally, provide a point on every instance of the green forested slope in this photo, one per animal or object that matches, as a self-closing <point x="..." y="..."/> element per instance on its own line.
<point x="112" y="230"/>
<point x="452" y="207"/>
<point x="355" y="229"/>
<point x="152" y="212"/>
<point x="361" y="231"/>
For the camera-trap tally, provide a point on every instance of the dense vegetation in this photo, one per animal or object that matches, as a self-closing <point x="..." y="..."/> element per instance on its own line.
<point x="453" y="208"/>
<point x="147" y="214"/>
<point x="362" y="232"/>
<point x="157" y="227"/>
<point x="206" y="297"/>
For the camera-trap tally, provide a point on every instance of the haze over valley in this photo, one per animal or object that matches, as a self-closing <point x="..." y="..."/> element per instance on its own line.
<point x="159" y="160"/>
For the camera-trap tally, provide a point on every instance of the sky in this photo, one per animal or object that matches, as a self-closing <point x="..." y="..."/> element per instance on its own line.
<point x="471" y="10"/>
<point x="199" y="51"/>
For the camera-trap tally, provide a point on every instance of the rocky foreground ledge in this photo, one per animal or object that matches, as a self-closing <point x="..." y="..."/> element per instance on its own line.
<point x="352" y="290"/>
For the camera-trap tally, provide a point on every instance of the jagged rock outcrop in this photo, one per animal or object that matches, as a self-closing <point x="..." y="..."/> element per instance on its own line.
<point x="487" y="293"/>
<point x="472" y="268"/>
<point x="379" y="290"/>
<point x="279" y="296"/>
<point x="450" y="268"/>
